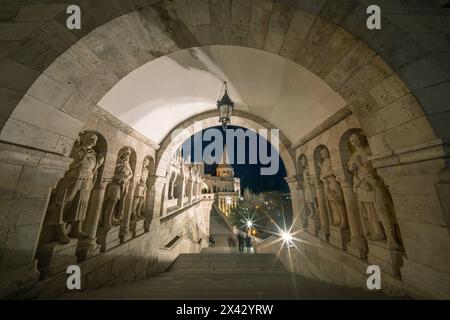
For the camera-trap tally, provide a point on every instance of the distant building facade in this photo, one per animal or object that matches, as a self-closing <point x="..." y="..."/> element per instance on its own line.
<point x="225" y="186"/>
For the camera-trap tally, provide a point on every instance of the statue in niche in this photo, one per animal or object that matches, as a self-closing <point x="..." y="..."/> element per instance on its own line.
<point x="140" y="193"/>
<point x="309" y="190"/>
<point x="117" y="191"/>
<point x="374" y="201"/>
<point x="333" y="191"/>
<point x="71" y="196"/>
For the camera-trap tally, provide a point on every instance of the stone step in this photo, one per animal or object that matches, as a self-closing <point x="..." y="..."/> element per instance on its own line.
<point x="223" y="276"/>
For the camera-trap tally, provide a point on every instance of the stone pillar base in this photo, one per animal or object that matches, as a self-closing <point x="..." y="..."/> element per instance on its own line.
<point x="339" y="237"/>
<point x="54" y="258"/>
<point x="125" y="234"/>
<point x="109" y="239"/>
<point x="388" y="259"/>
<point x="87" y="249"/>
<point x="313" y="227"/>
<point x="137" y="228"/>
<point x="357" y="248"/>
<point x="324" y="235"/>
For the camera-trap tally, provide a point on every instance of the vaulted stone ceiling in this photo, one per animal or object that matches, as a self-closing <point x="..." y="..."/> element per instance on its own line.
<point x="178" y="86"/>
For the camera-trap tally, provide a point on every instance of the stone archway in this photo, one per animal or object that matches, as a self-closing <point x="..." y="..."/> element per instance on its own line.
<point x="393" y="81"/>
<point x="183" y="131"/>
<point x="322" y="38"/>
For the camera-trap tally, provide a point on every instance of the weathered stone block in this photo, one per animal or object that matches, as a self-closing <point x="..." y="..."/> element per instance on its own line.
<point x="300" y="25"/>
<point x="238" y="35"/>
<point x="340" y="43"/>
<point x="387" y="91"/>
<point x="423" y="73"/>
<point x="41" y="115"/>
<point x="240" y="11"/>
<point x="259" y="23"/>
<point x="435" y="99"/>
<point x="274" y="41"/>
<point x="432" y="42"/>
<point x="49" y="91"/>
<point x="56" y="35"/>
<point x="16" y="76"/>
<point x="39" y="12"/>
<point x="54" y="258"/>
<point x="17" y="31"/>
<point x="389" y="260"/>
<point x="137" y="228"/>
<point x="358" y="56"/>
<point x="199" y="12"/>
<point x="11" y="174"/>
<point x="319" y="34"/>
<point x="109" y="239"/>
<point x="339" y="238"/>
<point x="220" y="19"/>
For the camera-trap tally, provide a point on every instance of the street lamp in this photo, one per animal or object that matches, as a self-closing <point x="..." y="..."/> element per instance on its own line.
<point x="226" y="107"/>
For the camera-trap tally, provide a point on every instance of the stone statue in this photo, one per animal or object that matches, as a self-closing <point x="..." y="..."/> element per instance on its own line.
<point x="374" y="201"/>
<point x="333" y="191"/>
<point x="71" y="196"/>
<point x="309" y="190"/>
<point x="140" y="193"/>
<point x="117" y="191"/>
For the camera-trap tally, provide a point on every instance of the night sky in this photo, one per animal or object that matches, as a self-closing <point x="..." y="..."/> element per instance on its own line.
<point x="249" y="173"/>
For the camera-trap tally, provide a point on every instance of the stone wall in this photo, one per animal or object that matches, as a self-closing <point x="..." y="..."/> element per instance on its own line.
<point x="328" y="189"/>
<point x="106" y="157"/>
<point x="190" y="222"/>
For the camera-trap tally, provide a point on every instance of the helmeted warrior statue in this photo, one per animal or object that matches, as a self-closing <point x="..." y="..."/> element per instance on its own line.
<point x="70" y="199"/>
<point x="117" y="190"/>
<point x="140" y="193"/>
<point x="374" y="201"/>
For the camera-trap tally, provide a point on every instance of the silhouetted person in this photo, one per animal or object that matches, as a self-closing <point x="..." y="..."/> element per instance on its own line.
<point x="231" y="241"/>
<point x="212" y="241"/>
<point x="249" y="243"/>
<point x="241" y="242"/>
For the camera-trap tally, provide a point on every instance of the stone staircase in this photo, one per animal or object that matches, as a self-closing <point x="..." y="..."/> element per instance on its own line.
<point x="214" y="275"/>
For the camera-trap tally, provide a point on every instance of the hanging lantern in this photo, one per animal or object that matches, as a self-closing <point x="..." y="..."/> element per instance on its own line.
<point x="225" y="106"/>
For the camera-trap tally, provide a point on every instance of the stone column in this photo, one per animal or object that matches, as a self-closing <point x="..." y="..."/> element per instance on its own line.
<point x="89" y="247"/>
<point x="163" y="199"/>
<point x="189" y="190"/>
<point x="28" y="176"/>
<point x="199" y="189"/>
<point x="357" y="245"/>
<point x="323" y="211"/>
<point x="180" y="199"/>
<point x="171" y="187"/>
<point x="125" y="234"/>
<point x="298" y="203"/>
<point x="149" y="202"/>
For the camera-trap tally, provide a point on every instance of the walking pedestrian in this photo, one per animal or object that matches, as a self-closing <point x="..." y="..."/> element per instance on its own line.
<point x="248" y="243"/>
<point x="241" y="242"/>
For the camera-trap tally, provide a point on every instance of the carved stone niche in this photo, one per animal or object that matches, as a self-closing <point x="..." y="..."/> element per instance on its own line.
<point x="68" y="206"/>
<point x="310" y="197"/>
<point x="376" y="209"/>
<point x="141" y="199"/>
<point x="339" y="231"/>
